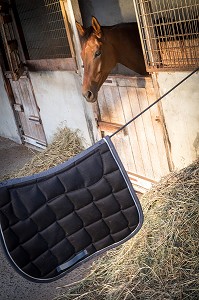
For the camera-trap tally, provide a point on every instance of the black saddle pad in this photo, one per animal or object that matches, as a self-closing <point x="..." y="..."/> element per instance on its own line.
<point x="53" y="221"/>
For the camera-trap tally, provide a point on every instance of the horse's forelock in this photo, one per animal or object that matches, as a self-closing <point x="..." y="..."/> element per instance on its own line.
<point x="88" y="33"/>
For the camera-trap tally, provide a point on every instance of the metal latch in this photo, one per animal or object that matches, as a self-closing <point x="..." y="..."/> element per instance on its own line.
<point x="35" y="119"/>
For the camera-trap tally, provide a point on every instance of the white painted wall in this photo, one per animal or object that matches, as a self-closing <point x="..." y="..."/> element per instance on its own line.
<point x="8" y="127"/>
<point x="181" y="112"/>
<point x="58" y="96"/>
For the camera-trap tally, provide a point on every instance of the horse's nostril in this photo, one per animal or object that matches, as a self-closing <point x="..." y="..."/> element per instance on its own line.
<point x="89" y="94"/>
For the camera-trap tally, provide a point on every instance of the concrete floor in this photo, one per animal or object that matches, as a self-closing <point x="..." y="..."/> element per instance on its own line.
<point x="12" y="156"/>
<point x="12" y="285"/>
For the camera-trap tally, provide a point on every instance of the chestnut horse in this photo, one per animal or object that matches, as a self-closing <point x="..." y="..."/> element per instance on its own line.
<point x="105" y="46"/>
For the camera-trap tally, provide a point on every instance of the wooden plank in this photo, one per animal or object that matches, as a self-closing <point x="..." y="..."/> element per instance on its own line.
<point x="28" y="99"/>
<point x="158" y="132"/>
<point x="141" y="183"/>
<point x="122" y="144"/>
<point x="56" y="64"/>
<point x="144" y="136"/>
<point x="23" y="91"/>
<point x="107" y="126"/>
<point x="150" y="135"/>
<point x="134" y="133"/>
<point x="19" y="100"/>
<point x="103" y="106"/>
<point x="115" y="112"/>
<point x="142" y="140"/>
<point x="30" y="103"/>
<point x="67" y="27"/>
<point x="114" y="104"/>
<point x="132" y="158"/>
<point x="127" y="150"/>
<point x="151" y="181"/>
<point x="17" y="97"/>
<point x="122" y="149"/>
<point x="110" y="104"/>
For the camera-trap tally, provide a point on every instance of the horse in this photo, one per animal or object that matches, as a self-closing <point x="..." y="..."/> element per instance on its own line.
<point x="105" y="46"/>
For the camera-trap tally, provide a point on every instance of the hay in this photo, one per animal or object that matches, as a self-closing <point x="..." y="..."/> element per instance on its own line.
<point x="66" y="144"/>
<point x="162" y="260"/>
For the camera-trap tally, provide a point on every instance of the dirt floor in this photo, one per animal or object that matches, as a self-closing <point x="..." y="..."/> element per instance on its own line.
<point x="12" y="285"/>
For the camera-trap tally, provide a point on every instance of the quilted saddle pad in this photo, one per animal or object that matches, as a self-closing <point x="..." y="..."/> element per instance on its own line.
<point x="55" y="220"/>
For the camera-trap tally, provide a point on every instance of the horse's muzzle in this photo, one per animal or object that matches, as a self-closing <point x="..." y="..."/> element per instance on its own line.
<point x="90" y="96"/>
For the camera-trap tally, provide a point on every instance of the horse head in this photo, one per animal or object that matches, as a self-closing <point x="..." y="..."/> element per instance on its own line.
<point x="97" y="56"/>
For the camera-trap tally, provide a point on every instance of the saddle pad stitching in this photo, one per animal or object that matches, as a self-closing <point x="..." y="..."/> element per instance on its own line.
<point x="40" y="231"/>
<point x="53" y="221"/>
<point x="48" y="201"/>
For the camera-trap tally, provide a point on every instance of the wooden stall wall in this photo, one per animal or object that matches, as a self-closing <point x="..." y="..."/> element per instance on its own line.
<point x="141" y="145"/>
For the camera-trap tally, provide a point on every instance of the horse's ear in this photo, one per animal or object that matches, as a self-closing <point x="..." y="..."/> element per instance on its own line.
<point x="96" y="27"/>
<point x="80" y="28"/>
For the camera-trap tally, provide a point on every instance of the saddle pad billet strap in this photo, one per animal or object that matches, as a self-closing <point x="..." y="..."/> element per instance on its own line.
<point x="53" y="221"/>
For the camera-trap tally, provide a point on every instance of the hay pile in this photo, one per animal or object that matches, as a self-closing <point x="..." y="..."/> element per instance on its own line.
<point x="66" y="144"/>
<point x="162" y="260"/>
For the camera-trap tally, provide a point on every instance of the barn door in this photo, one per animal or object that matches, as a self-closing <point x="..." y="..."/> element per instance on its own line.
<point x="24" y="100"/>
<point x="140" y="145"/>
<point x="28" y="112"/>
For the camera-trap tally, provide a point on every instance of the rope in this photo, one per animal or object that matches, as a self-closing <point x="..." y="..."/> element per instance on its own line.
<point x="173" y="88"/>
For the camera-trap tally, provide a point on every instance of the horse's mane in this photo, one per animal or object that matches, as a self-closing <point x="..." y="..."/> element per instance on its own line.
<point x="90" y="29"/>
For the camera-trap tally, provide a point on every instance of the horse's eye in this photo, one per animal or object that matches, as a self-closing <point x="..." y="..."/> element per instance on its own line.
<point x="97" y="53"/>
<point x="82" y="66"/>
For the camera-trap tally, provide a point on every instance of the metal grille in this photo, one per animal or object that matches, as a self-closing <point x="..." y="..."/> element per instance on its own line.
<point x="44" y="29"/>
<point x="170" y="33"/>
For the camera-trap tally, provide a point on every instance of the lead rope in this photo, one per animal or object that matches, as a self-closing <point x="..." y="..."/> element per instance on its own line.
<point x="173" y="88"/>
